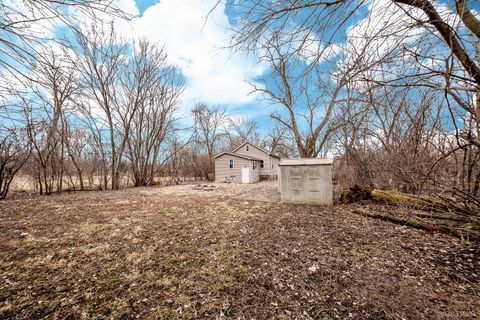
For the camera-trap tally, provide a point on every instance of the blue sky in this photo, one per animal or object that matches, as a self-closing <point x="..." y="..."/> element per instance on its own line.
<point x="142" y="5"/>
<point x="214" y="76"/>
<point x="217" y="76"/>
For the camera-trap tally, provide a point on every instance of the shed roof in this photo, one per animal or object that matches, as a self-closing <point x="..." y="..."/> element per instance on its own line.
<point x="236" y="155"/>
<point x="305" y="162"/>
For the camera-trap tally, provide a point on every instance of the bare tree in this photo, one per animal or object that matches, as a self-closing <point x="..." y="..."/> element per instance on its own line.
<point x="76" y="145"/>
<point x="55" y="84"/>
<point x="101" y="67"/>
<point x="153" y="88"/>
<point x="277" y="141"/>
<point x="14" y="152"/>
<point x="209" y="128"/>
<point x="309" y="93"/>
<point x="27" y="24"/>
<point x="242" y="129"/>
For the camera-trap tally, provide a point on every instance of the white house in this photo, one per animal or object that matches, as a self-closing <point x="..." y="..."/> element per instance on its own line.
<point x="246" y="164"/>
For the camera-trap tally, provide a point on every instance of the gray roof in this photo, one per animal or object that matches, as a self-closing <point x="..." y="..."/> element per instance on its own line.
<point x="305" y="162"/>
<point x="269" y="153"/>
<point x="236" y="155"/>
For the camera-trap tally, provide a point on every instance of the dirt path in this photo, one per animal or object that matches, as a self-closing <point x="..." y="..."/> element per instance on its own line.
<point x="158" y="254"/>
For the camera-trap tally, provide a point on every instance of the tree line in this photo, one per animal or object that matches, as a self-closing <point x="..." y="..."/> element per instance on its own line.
<point x="103" y="112"/>
<point x="394" y="92"/>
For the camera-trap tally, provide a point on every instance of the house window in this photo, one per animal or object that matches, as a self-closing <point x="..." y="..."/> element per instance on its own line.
<point x="247" y="148"/>
<point x="254" y="165"/>
<point x="272" y="164"/>
<point x="261" y="164"/>
<point x="232" y="163"/>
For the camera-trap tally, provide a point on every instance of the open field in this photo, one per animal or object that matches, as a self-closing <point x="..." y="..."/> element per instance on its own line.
<point x="26" y="183"/>
<point x="233" y="252"/>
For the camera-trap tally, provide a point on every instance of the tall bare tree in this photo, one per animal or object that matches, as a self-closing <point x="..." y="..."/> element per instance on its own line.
<point x="55" y="82"/>
<point x="101" y="67"/>
<point x="308" y="90"/>
<point x="209" y="128"/>
<point x="153" y="88"/>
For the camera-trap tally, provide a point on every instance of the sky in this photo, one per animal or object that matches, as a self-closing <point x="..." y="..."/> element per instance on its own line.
<point x="214" y="75"/>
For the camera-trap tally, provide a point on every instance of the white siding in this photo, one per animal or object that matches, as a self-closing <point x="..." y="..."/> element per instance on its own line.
<point x="223" y="170"/>
<point x="268" y="160"/>
<point x="254" y="173"/>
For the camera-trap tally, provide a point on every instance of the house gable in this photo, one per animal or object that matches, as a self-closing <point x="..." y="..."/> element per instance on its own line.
<point x="268" y="162"/>
<point x="242" y="149"/>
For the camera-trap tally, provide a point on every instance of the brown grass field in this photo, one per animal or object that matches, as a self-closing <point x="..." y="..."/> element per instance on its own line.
<point x="168" y="253"/>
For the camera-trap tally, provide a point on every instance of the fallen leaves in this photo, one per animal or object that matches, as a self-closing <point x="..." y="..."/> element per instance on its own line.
<point x="147" y="253"/>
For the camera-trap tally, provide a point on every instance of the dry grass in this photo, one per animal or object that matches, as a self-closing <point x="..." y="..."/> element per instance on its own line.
<point x="265" y="191"/>
<point x="154" y="254"/>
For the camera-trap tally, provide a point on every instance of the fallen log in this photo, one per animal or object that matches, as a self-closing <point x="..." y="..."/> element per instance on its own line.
<point x="420" y="202"/>
<point x="400" y="221"/>
<point x="456" y="218"/>
<point x="421" y="225"/>
<point x="359" y="193"/>
<point x="356" y="194"/>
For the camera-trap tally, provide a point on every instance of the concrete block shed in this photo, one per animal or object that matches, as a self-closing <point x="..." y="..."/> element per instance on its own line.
<point x="306" y="181"/>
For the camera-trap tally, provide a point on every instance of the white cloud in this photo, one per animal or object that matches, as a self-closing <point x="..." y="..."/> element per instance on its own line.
<point x="392" y="34"/>
<point x="194" y="43"/>
<point x="384" y="29"/>
<point x="374" y="46"/>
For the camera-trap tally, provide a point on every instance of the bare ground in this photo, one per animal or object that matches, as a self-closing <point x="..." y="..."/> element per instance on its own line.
<point x="265" y="191"/>
<point x="177" y="252"/>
